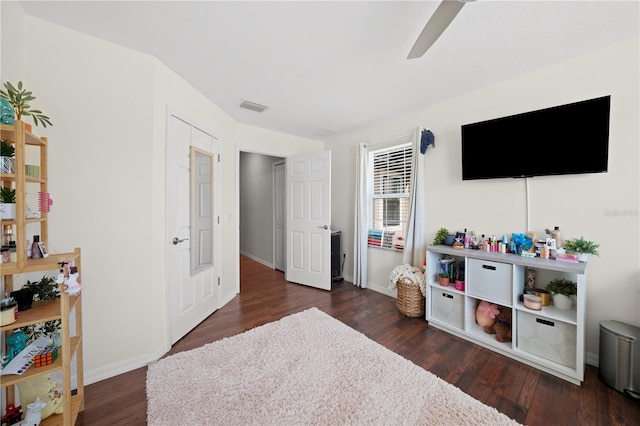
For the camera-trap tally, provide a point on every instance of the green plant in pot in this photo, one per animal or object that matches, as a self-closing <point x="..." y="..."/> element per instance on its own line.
<point x="444" y="279"/>
<point x="562" y="291"/>
<point x="19" y="99"/>
<point x="47" y="289"/>
<point x="583" y="248"/>
<point x="7" y="203"/>
<point x="7" y="162"/>
<point x="441" y="235"/>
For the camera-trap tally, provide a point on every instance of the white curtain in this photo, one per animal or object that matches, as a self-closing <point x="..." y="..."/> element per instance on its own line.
<point x="361" y="224"/>
<point x="415" y="242"/>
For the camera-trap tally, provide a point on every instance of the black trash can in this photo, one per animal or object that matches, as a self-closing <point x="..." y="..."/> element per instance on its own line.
<point x="620" y="357"/>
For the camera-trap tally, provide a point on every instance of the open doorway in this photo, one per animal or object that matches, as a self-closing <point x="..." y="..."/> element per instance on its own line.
<point x="257" y="207"/>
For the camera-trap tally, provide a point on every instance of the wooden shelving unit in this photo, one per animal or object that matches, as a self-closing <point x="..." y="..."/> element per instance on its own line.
<point x="59" y="309"/>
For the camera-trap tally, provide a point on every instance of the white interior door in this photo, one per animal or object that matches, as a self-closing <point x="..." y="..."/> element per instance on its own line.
<point x="308" y="223"/>
<point x="192" y="292"/>
<point x="279" y="252"/>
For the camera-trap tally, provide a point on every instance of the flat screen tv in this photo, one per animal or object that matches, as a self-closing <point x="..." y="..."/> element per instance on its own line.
<point x="565" y="139"/>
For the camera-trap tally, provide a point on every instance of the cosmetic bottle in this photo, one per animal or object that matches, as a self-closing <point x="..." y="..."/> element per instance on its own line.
<point x="35" y="248"/>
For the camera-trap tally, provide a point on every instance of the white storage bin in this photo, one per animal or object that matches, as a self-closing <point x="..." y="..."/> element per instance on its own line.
<point x="550" y="339"/>
<point x="490" y="280"/>
<point x="447" y="307"/>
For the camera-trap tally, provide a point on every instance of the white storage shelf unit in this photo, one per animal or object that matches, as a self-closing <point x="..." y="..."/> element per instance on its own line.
<point x="550" y="339"/>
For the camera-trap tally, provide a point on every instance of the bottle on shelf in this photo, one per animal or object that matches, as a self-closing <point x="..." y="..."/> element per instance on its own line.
<point x="35" y="248"/>
<point x="556" y="234"/>
<point x="474" y="240"/>
<point x="7" y="235"/>
<point x="482" y="244"/>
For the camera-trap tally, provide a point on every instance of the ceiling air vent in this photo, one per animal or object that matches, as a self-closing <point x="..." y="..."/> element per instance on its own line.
<point x="253" y="106"/>
<point x="324" y="132"/>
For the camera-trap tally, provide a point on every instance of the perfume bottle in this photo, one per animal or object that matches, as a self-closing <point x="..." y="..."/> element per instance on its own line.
<point x="35" y="248"/>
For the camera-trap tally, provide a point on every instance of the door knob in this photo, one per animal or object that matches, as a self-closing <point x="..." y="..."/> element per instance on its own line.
<point x="177" y="240"/>
<point x="324" y="226"/>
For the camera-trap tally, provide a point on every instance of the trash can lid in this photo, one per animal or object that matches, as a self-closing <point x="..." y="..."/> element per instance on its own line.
<point x="620" y="329"/>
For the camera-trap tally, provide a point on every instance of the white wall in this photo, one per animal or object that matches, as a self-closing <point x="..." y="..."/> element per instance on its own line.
<point x="107" y="177"/>
<point x="256" y="206"/>
<point x="579" y="205"/>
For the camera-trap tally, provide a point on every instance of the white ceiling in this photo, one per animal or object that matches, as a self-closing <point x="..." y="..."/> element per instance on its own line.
<point x="342" y="65"/>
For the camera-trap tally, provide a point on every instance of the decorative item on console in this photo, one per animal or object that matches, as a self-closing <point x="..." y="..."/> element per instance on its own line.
<point x="440" y="237"/>
<point x="520" y="243"/>
<point x="531" y="301"/>
<point x="446" y="271"/>
<point x="486" y="314"/>
<point x="562" y="291"/>
<point x="502" y="327"/>
<point x="543" y="294"/>
<point x="459" y="240"/>
<point x="582" y="248"/>
<point x="459" y="279"/>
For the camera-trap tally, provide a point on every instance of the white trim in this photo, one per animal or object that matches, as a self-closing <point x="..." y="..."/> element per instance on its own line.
<point x="273" y="196"/>
<point x="257" y="259"/>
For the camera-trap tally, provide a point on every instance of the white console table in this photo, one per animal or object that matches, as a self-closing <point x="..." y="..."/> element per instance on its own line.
<point x="549" y="339"/>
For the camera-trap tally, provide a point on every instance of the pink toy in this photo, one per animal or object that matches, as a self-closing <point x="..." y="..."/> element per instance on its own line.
<point x="486" y="314"/>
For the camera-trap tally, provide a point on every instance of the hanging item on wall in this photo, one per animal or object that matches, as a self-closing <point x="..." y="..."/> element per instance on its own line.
<point x="427" y="138"/>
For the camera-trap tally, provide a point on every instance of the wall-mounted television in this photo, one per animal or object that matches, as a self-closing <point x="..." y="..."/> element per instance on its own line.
<point x="565" y="139"/>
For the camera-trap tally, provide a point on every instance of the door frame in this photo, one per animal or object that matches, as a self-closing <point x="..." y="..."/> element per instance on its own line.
<point x="237" y="201"/>
<point x="282" y="162"/>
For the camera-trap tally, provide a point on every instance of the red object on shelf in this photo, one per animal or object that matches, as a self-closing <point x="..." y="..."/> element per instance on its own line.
<point x="13" y="416"/>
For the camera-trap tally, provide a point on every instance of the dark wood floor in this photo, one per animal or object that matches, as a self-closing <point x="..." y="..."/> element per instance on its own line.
<point x="524" y="393"/>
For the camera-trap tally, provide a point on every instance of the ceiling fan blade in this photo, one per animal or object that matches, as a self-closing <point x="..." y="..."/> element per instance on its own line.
<point x="442" y="17"/>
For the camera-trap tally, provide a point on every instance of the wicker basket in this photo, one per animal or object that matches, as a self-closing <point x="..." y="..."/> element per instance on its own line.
<point x="410" y="299"/>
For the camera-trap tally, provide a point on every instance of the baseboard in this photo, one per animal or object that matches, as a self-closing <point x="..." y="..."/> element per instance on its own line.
<point x="383" y="290"/>
<point x="257" y="259"/>
<point x="375" y="287"/>
<point x="111" y="370"/>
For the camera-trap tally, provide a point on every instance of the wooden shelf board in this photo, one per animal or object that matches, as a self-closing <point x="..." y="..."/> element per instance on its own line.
<point x="36" y="265"/>
<point x="12" y="379"/>
<point x="39" y="312"/>
<point x="58" y="419"/>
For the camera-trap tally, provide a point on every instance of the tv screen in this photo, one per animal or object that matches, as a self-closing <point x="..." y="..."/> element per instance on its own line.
<point x="565" y="139"/>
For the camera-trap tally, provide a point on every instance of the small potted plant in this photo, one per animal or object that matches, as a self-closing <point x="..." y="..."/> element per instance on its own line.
<point x="441" y="235"/>
<point x="47" y="289"/>
<point x="444" y="279"/>
<point x="7" y="203"/>
<point x="7" y="162"/>
<point x="562" y="291"/>
<point x="19" y="99"/>
<point x="583" y="248"/>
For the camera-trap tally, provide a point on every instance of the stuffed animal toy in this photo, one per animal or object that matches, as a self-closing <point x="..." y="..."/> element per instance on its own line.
<point x="33" y="416"/>
<point x="486" y="314"/>
<point x="502" y="327"/>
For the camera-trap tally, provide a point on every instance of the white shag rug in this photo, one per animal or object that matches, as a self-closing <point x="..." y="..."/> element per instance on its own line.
<point x="305" y="369"/>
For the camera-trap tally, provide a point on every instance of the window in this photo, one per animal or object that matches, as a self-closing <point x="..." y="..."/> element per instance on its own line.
<point x="389" y="189"/>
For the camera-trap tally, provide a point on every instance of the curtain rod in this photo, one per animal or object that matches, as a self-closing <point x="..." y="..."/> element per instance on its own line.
<point x="409" y="135"/>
